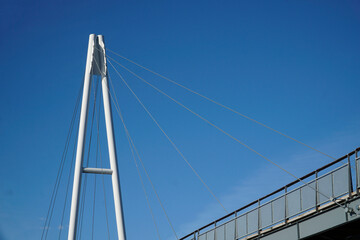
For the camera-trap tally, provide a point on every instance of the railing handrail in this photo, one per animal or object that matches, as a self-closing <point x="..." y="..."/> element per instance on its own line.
<point x="274" y="192"/>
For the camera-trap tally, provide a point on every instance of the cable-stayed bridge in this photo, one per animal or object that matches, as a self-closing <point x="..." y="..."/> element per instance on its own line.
<point x="323" y="204"/>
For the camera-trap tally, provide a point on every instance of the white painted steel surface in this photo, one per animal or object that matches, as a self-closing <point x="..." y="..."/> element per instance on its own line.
<point x="111" y="144"/>
<point x="98" y="170"/>
<point x="81" y="140"/>
<point x="96" y="59"/>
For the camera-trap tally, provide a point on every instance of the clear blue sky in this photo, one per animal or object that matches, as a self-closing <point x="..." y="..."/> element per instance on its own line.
<point x="294" y="65"/>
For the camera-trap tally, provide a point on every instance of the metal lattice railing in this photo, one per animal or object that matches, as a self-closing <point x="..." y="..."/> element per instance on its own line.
<point x="332" y="182"/>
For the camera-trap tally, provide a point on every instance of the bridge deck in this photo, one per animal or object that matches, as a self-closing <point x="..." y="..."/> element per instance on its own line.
<point x="296" y="211"/>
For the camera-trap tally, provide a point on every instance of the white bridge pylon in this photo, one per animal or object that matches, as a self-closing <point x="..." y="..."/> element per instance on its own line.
<point x="96" y="65"/>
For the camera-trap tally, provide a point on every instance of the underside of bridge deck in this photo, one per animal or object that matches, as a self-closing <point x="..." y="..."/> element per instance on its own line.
<point x="349" y="231"/>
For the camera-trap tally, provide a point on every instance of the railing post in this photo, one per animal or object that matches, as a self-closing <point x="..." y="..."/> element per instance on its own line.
<point x="259" y="217"/>
<point x="350" y="177"/>
<point x="247" y="224"/>
<point x="357" y="171"/>
<point x="272" y="212"/>
<point x="286" y="205"/>
<point x="317" y="200"/>
<point x="214" y="231"/>
<point x="301" y="202"/>
<point x="235" y="226"/>
<point x="332" y="186"/>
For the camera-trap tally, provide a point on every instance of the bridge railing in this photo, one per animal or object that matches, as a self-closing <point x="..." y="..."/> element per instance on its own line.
<point x="335" y="181"/>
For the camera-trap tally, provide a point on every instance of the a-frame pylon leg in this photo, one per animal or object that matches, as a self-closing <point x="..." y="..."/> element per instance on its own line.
<point x="96" y="64"/>
<point x="81" y="141"/>
<point x="111" y="142"/>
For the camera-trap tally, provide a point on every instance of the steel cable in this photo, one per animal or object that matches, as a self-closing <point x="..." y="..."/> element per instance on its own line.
<point x="60" y="170"/>
<point x="169" y="139"/>
<point x="87" y="162"/>
<point x="132" y="147"/>
<point x="220" y="104"/>
<point x="67" y="191"/>
<point x="221" y="130"/>
<point x="158" y="198"/>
